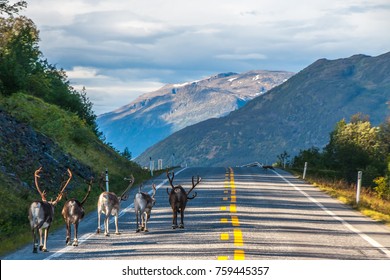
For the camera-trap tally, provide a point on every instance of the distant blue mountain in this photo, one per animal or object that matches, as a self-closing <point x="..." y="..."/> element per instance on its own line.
<point x="156" y="115"/>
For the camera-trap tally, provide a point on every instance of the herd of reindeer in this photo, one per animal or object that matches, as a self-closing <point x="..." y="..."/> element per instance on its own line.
<point x="41" y="212"/>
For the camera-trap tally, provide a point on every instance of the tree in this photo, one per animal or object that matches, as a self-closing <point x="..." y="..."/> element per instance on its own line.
<point x="355" y="146"/>
<point x="10" y="10"/>
<point x="23" y="68"/>
<point x="283" y="159"/>
<point x="127" y="154"/>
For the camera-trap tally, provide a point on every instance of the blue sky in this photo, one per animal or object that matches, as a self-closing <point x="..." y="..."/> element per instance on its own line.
<point x="120" y="49"/>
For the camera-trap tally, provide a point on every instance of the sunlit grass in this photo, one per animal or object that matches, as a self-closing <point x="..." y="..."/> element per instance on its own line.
<point x="369" y="205"/>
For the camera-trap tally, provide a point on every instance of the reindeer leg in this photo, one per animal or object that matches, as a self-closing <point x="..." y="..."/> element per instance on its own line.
<point x="68" y="233"/>
<point x="75" y="240"/>
<point x="145" y="220"/>
<point x="35" y="239"/>
<point x="181" y="218"/>
<point x="44" y="248"/>
<point x="40" y="239"/>
<point x="98" y="228"/>
<point x="137" y="226"/>
<point x="106" y="229"/>
<point x="116" y="224"/>
<point x="174" y="219"/>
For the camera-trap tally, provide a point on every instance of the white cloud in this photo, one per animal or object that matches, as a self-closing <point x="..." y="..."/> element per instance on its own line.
<point x="119" y="49"/>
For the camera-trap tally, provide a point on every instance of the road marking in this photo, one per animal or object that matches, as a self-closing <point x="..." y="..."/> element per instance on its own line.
<point x="239" y="255"/>
<point x="364" y="236"/>
<point x="238" y="240"/>
<point x="86" y="236"/>
<point x="235" y="221"/>
<point x="224" y="236"/>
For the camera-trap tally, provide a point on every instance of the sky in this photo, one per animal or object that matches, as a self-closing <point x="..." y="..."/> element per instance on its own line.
<point x="120" y="49"/>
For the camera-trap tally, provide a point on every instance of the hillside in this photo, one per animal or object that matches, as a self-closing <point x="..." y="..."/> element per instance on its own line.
<point x="156" y="115"/>
<point x="296" y="115"/>
<point x="33" y="134"/>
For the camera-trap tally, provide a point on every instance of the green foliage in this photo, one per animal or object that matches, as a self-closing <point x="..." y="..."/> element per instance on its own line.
<point x="352" y="147"/>
<point x="382" y="187"/>
<point x="9" y="9"/>
<point x="126" y="153"/>
<point x="23" y="68"/>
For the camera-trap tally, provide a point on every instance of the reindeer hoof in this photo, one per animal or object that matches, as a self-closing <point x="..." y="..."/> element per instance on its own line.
<point x="174" y="226"/>
<point x="40" y="247"/>
<point x="98" y="231"/>
<point x="35" y="250"/>
<point x="45" y="250"/>
<point x="146" y="230"/>
<point x="137" y="230"/>
<point x="181" y="226"/>
<point x="107" y="234"/>
<point x="75" y="243"/>
<point x="117" y="233"/>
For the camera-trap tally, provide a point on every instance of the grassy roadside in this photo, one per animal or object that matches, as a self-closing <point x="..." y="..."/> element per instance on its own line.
<point x="370" y="205"/>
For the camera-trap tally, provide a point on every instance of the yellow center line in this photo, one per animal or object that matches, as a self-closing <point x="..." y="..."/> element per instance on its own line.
<point x="238" y="239"/>
<point x="239" y="255"/>
<point x="235" y="221"/>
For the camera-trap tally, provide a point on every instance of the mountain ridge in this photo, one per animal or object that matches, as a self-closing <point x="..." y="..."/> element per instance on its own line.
<point x="154" y="116"/>
<point x="295" y="115"/>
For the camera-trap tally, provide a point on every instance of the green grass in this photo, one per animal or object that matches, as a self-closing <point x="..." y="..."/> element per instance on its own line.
<point x="75" y="138"/>
<point x="369" y="205"/>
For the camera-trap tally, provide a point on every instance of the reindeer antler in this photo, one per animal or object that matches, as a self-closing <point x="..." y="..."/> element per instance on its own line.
<point x="125" y="194"/>
<point x="88" y="192"/>
<point x="61" y="193"/>
<point x="171" y="179"/>
<point x="193" y="186"/>
<point x="36" y="176"/>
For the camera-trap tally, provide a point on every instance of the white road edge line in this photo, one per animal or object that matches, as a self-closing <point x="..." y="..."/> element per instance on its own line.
<point x="86" y="236"/>
<point x="371" y="241"/>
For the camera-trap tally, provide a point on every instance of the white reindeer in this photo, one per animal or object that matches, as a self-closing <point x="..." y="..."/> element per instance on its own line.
<point x="143" y="204"/>
<point x="109" y="204"/>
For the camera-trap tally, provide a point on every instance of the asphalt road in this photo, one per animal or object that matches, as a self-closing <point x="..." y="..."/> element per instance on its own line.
<point x="239" y="213"/>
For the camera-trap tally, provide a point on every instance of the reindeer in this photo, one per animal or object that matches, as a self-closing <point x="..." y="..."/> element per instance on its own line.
<point x="143" y="204"/>
<point x="178" y="198"/>
<point x="109" y="204"/>
<point x="266" y="167"/>
<point x="41" y="213"/>
<point x="73" y="212"/>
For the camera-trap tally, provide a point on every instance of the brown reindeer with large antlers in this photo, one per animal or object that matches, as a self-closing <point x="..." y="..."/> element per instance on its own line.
<point x="41" y="213"/>
<point x="178" y="198"/>
<point x="109" y="204"/>
<point x="73" y="212"/>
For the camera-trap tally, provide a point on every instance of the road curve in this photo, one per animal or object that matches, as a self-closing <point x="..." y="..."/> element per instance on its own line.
<point x="239" y="213"/>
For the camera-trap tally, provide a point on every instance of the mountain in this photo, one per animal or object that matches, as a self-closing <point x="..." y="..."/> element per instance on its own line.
<point x="156" y="115"/>
<point x="295" y="115"/>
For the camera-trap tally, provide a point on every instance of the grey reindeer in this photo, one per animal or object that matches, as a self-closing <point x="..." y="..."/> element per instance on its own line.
<point x="143" y="204"/>
<point x="73" y="212"/>
<point x="109" y="204"/>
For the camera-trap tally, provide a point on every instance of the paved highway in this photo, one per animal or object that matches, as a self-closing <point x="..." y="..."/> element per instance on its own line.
<point x="239" y="213"/>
